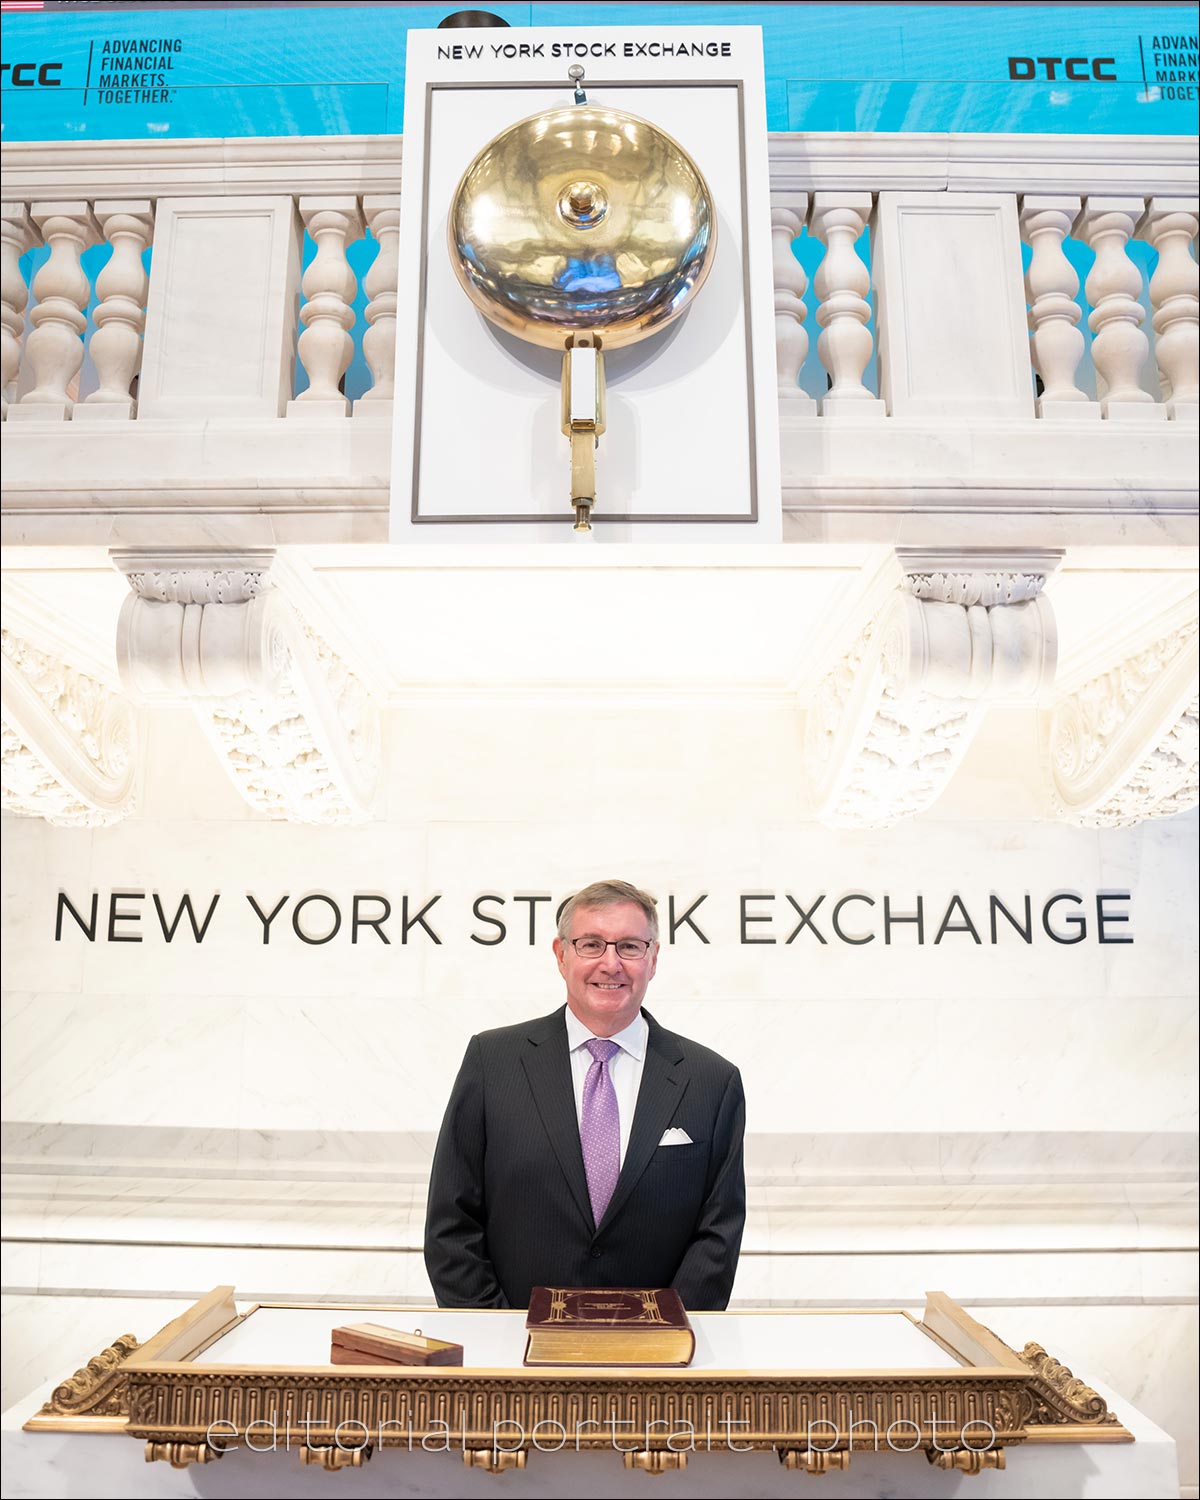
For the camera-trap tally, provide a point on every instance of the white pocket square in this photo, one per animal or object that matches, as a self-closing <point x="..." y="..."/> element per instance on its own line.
<point x="675" y="1137"/>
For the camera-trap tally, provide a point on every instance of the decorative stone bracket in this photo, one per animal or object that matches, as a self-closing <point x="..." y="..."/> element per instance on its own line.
<point x="1123" y="746"/>
<point x="294" y="727"/>
<point x="69" y="744"/>
<point x="890" y="723"/>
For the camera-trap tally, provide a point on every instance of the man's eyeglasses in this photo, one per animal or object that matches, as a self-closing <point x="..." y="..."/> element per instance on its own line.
<point x="594" y="947"/>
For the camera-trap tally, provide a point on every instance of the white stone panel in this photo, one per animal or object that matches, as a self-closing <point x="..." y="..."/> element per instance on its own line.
<point x="221" y="316"/>
<point x="951" y="307"/>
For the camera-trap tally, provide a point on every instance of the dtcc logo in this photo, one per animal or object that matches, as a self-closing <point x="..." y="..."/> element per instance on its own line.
<point x="1076" y="69"/>
<point x="28" y="75"/>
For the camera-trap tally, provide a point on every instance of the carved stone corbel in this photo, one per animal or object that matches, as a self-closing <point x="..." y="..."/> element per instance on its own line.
<point x="1123" y="746"/>
<point x="292" y="724"/>
<point x="890" y="723"/>
<point x="69" y="744"/>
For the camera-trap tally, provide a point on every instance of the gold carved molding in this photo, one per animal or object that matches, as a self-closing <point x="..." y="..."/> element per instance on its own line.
<point x="335" y="1459"/>
<point x="495" y="1460"/>
<point x="95" y="1396"/>
<point x="668" y="1412"/>
<point x="815" y="1460"/>
<point x="656" y="1461"/>
<point x="182" y="1455"/>
<point x="963" y="1461"/>
<point x="962" y="1418"/>
<point x="1060" y="1396"/>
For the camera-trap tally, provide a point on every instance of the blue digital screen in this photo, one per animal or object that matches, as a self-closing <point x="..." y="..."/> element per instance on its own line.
<point x="338" y="70"/>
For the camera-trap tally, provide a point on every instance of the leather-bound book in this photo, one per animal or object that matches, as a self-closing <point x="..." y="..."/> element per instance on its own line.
<point x="613" y="1326"/>
<point x="373" y="1344"/>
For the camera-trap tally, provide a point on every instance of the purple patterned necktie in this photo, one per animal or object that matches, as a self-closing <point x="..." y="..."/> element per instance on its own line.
<point x="600" y="1127"/>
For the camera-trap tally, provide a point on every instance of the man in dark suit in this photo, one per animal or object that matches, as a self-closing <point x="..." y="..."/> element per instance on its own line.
<point x="590" y="1147"/>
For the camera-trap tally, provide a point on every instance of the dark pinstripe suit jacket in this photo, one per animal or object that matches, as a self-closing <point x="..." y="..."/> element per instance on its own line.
<point x="508" y="1200"/>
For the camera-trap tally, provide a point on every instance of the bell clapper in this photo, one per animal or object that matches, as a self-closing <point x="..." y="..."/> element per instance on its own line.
<point x="575" y="73"/>
<point x="583" y="419"/>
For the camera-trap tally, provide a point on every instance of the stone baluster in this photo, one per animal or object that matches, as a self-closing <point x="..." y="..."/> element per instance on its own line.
<point x="54" y="345"/>
<point x="379" y="341"/>
<point x="842" y="282"/>
<point x="17" y="234"/>
<point x="788" y="213"/>
<point x="1050" y="285"/>
<point x="120" y="317"/>
<point x="1119" y="347"/>
<point x="325" y="346"/>
<point x="1171" y="224"/>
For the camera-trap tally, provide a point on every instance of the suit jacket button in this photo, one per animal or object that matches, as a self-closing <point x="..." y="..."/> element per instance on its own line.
<point x="596" y="1254"/>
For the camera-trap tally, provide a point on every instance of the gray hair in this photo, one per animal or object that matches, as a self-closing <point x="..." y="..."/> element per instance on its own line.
<point x="602" y="893"/>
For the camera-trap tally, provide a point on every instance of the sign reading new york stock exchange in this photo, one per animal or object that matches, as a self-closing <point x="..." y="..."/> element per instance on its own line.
<point x="854" y="918"/>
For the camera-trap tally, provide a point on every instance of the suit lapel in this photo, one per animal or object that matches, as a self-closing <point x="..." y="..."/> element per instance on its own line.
<point x="664" y="1082"/>
<point x="547" y="1064"/>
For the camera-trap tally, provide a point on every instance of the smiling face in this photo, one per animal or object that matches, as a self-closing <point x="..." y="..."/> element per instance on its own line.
<point x="605" y="993"/>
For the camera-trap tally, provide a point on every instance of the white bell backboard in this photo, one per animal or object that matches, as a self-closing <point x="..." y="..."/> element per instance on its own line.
<point x="691" y="451"/>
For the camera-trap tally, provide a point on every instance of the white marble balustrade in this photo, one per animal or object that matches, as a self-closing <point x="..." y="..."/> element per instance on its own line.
<point x="105" y="317"/>
<point x="940" y="265"/>
<point x="1111" y="306"/>
<point x="960" y="322"/>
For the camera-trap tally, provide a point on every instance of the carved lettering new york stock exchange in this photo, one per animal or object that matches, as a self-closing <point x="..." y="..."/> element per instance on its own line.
<point x="759" y="918"/>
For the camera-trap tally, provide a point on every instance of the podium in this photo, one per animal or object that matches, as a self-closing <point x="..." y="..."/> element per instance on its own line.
<point x="891" y="1398"/>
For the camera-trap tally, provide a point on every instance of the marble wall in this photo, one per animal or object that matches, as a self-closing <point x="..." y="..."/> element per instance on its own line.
<point x="1011" y="1121"/>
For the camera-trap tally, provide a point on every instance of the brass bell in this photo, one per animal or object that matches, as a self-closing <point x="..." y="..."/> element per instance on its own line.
<point x="582" y="228"/>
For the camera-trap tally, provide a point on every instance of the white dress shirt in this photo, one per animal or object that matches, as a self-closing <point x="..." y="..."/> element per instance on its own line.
<point x="624" y="1067"/>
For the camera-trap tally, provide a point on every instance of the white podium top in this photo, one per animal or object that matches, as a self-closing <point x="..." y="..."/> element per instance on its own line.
<point x="816" y="1341"/>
